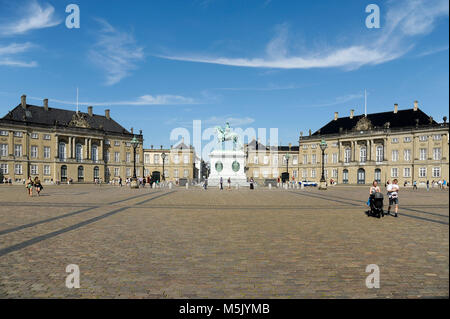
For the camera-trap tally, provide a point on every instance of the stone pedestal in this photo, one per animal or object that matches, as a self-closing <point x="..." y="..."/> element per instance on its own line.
<point x="323" y="185"/>
<point x="227" y="164"/>
<point x="134" y="183"/>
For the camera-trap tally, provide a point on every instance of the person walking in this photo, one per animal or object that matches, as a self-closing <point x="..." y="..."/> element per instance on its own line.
<point x="38" y="185"/>
<point x="251" y="183"/>
<point x="428" y="185"/>
<point x="205" y="184"/>
<point x="120" y="181"/>
<point x="29" y="186"/>
<point x="221" y="183"/>
<point x="414" y="185"/>
<point x="229" y="183"/>
<point x="392" y="190"/>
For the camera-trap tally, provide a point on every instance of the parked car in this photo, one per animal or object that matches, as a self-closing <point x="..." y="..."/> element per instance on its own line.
<point x="309" y="183"/>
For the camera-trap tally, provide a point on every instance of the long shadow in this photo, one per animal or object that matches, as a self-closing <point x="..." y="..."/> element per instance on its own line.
<point x="10" y="230"/>
<point x="349" y="202"/>
<point x="38" y="239"/>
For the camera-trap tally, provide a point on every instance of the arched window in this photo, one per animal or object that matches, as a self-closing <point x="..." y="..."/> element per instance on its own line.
<point x="79" y="152"/>
<point x="94" y="153"/>
<point x="96" y="172"/>
<point x="80" y="173"/>
<point x="378" y="175"/>
<point x="345" y="176"/>
<point x="363" y="154"/>
<point x="63" y="173"/>
<point x="361" y="176"/>
<point x="62" y="151"/>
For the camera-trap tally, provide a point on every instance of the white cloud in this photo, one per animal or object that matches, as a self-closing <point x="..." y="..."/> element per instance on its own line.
<point x="115" y="52"/>
<point x="7" y="55"/>
<point x="145" y="100"/>
<point x="404" y="20"/>
<point x="339" y="100"/>
<point x="35" y="17"/>
<point x="234" y="121"/>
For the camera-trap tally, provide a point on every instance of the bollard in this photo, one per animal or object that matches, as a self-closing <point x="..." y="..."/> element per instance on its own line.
<point x="170" y="185"/>
<point x="302" y="186"/>
<point x="187" y="185"/>
<point x="270" y="186"/>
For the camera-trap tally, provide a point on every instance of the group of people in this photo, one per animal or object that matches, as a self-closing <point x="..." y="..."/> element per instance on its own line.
<point x="392" y="193"/>
<point x="36" y="183"/>
<point x="228" y="183"/>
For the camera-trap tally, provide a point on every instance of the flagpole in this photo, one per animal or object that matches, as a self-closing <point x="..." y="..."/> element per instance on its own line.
<point x="77" y="100"/>
<point x="365" y="102"/>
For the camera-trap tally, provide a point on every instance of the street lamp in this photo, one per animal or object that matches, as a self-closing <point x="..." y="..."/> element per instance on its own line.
<point x="323" y="181"/>
<point x="163" y="156"/>
<point x="287" y="157"/>
<point x="135" y="144"/>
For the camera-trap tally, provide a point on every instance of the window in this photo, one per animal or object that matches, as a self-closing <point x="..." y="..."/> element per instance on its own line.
<point x="46" y="137"/>
<point x="46" y="169"/>
<point x="34" y="135"/>
<point x="79" y="152"/>
<point x="116" y="171"/>
<point x="146" y="172"/>
<point x="313" y="159"/>
<point x="305" y="146"/>
<point x="423" y="172"/>
<point x="363" y="154"/>
<point x="394" y="172"/>
<point x="437" y="153"/>
<point x="4" y="169"/>
<point x="256" y="173"/>
<point x="34" y="169"/>
<point x="186" y="159"/>
<point x="275" y="160"/>
<point x="3" y="133"/>
<point x="62" y="151"/>
<point x="255" y="160"/>
<point x="128" y="157"/>
<point x="294" y="173"/>
<point x="175" y="173"/>
<point x="107" y="142"/>
<point x="116" y="143"/>
<point x="265" y="173"/>
<point x="186" y="173"/>
<point x="147" y="159"/>
<point x="18" y="134"/>
<point x="436" y="172"/>
<point x="107" y="155"/>
<point x="156" y="158"/>
<point x="18" y="150"/>
<point x="96" y="172"/>
<point x="94" y="153"/>
<point x="407" y="139"/>
<point x="128" y="144"/>
<point x="304" y="173"/>
<point x="166" y="173"/>
<point x="34" y="151"/>
<point x="314" y="146"/>
<point x="395" y="155"/>
<point x="18" y="169"/>
<point x="407" y="172"/>
<point x="137" y="158"/>
<point x="334" y="173"/>
<point x="80" y="173"/>
<point x="46" y="151"/>
<point x="345" y="176"/>
<point x="380" y="153"/>
<point x="128" y="172"/>
<point x="325" y="158"/>
<point x="394" y="140"/>
<point x="378" y="175"/>
<point x="305" y="159"/>
<point x="423" y="154"/>
<point x="423" y="138"/>
<point x="3" y="149"/>
<point x="275" y="173"/>
<point x="313" y="173"/>
<point x="347" y="155"/>
<point x="407" y="155"/>
<point x="295" y="160"/>
<point x="335" y="158"/>
<point x="116" y="157"/>
<point x="335" y="144"/>
<point x="437" y="137"/>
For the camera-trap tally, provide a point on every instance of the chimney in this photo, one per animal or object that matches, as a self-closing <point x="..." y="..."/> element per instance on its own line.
<point x="309" y="132"/>
<point x="395" y="108"/>
<point x="131" y="130"/>
<point x="140" y="132"/>
<point x="336" y="116"/>
<point x="290" y="145"/>
<point x="107" y="114"/>
<point x="352" y="112"/>
<point x="444" y="119"/>
<point x="23" y="101"/>
<point x="90" y="110"/>
<point x="416" y="105"/>
<point x="46" y="104"/>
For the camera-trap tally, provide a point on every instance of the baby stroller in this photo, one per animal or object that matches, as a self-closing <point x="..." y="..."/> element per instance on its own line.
<point x="376" y="205"/>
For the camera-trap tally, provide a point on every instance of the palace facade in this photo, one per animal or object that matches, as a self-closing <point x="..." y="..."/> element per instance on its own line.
<point x="58" y="145"/>
<point x="405" y="144"/>
<point x="178" y="162"/>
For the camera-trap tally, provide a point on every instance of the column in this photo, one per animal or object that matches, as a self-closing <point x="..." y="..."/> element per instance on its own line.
<point x="56" y="146"/>
<point x="74" y="145"/>
<point x="340" y="152"/>
<point x="100" y="151"/>
<point x="70" y="147"/>
<point x="89" y="149"/>
<point x="11" y="143"/>
<point x="86" y="154"/>
<point x="385" y="149"/>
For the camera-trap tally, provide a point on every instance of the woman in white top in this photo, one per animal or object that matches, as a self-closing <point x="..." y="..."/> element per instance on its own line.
<point x="374" y="188"/>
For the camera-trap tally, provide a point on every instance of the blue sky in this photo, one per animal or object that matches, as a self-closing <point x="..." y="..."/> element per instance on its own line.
<point x="159" y="65"/>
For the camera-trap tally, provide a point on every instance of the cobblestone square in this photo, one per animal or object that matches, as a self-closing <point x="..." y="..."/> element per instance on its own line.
<point x="179" y="243"/>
